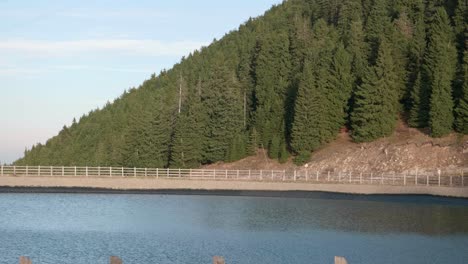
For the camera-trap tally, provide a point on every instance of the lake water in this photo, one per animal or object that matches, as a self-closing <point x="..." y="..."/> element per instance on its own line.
<point x="143" y="229"/>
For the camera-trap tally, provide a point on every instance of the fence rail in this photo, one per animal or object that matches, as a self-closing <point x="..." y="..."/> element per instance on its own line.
<point x="452" y="178"/>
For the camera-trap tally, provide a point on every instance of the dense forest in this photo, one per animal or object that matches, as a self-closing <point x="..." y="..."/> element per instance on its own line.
<point x="288" y="82"/>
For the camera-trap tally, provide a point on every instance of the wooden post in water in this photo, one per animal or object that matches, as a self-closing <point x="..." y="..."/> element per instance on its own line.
<point x="340" y="260"/>
<point x="25" y="260"/>
<point x="218" y="260"/>
<point x="115" y="260"/>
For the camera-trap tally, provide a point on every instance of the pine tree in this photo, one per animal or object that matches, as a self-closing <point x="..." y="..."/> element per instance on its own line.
<point x="224" y="107"/>
<point x="418" y="103"/>
<point x="274" y="147"/>
<point x="358" y="49"/>
<point x="440" y="64"/>
<point x="376" y="105"/>
<point x="461" y="123"/>
<point x="305" y="137"/>
<point x="342" y="83"/>
<point x="272" y="73"/>
<point x="377" y="24"/>
<point x="187" y="141"/>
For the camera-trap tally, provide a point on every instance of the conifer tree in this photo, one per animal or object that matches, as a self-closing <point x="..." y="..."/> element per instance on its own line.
<point x="461" y="123"/>
<point x="341" y="83"/>
<point x="440" y="63"/>
<point x="418" y="103"/>
<point x="187" y="141"/>
<point x="272" y="72"/>
<point x="223" y="103"/>
<point x="376" y="103"/>
<point x="377" y="24"/>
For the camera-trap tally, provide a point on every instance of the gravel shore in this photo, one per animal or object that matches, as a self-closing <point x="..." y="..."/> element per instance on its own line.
<point x="146" y="184"/>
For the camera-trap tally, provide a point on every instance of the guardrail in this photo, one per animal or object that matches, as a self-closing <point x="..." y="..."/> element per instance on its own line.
<point x="452" y="178"/>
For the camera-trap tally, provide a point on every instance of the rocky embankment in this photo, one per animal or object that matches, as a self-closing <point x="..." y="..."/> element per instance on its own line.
<point x="407" y="150"/>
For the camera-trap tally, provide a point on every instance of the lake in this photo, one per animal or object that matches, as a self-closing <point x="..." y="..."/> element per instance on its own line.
<point x="88" y="228"/>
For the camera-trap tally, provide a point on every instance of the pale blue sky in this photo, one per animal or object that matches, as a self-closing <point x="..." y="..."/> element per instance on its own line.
<point x="60" y="59"/>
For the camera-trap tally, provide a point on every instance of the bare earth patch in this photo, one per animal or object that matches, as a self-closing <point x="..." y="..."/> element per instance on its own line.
<point x="408" y="149"/>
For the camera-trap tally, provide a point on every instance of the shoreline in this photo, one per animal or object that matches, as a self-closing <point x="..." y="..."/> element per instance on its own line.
<point x="211" y="187"/>
<point x="231" y="193"/>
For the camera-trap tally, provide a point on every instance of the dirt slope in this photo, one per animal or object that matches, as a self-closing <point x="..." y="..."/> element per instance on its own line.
<point x="407" y="149"/>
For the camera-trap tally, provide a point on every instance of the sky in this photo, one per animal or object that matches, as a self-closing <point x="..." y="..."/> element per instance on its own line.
<point x="61" y="59"/>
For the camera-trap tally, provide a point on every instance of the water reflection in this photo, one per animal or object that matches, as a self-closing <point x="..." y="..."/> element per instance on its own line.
<point x="382" y="215"/>
<point x="86" y="228"/>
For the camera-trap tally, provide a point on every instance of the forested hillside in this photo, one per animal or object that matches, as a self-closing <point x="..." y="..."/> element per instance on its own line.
<point x="288" y="82"/>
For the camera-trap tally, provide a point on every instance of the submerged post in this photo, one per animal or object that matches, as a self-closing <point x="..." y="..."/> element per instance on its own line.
<point x="340" y="260"/>
<point x="218" y="260"/>
<point x="25" y="260"/>
<point x="115" y="260"/>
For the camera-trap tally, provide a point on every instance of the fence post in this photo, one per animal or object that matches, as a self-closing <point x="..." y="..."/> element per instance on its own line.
<point x="63" y="171"/>
<point x="350" y="176"/>
<point x="237" y="174"/>
<point x="284" y="175"/>
<point x="225" y="174"/>
<point x="371" y="177"/>
<point x="416" y="180"/>
<point x="427" y="180"/>
<point x="295" y="175"/>
<point x="27" y="170"/>
<point x="404" y="178"/>
<point x="318" y="176"/>
<point x="75" y="170"/>
<point x="381" y="178"/>
<point x="307" y="175"/>
<point x="360" y="178"/>
<point x="110" y="172"/>
<point x="261" y="175"/>
<point x="250" y="174"/>
<point x="328" y="176"/>
<point x="157" y="173"/>
<point x="146" y="172"/>
<point x="439" y="176"/>
<point x="51" y="171"/>
<point x="134" y="172"/>
<point x="1" y="170"/>
<point x="99" y="171"/>
<point x="167" y="172"/>
<point x="463" y="176"/>
<point x="86" y="171"/>
<point x="339" y="176"/>
<point x="122" y="172"/>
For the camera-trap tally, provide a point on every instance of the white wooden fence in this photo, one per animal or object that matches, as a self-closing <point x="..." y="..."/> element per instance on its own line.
<point x="453" y="178"/>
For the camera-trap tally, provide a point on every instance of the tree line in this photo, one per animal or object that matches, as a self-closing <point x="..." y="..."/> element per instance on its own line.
<point x="288" y="82"/>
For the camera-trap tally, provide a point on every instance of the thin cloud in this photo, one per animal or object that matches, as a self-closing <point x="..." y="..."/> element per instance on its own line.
<point x="69" y="68"/>
<point x="115" y="46"/>
<point x="119" y="13"/>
